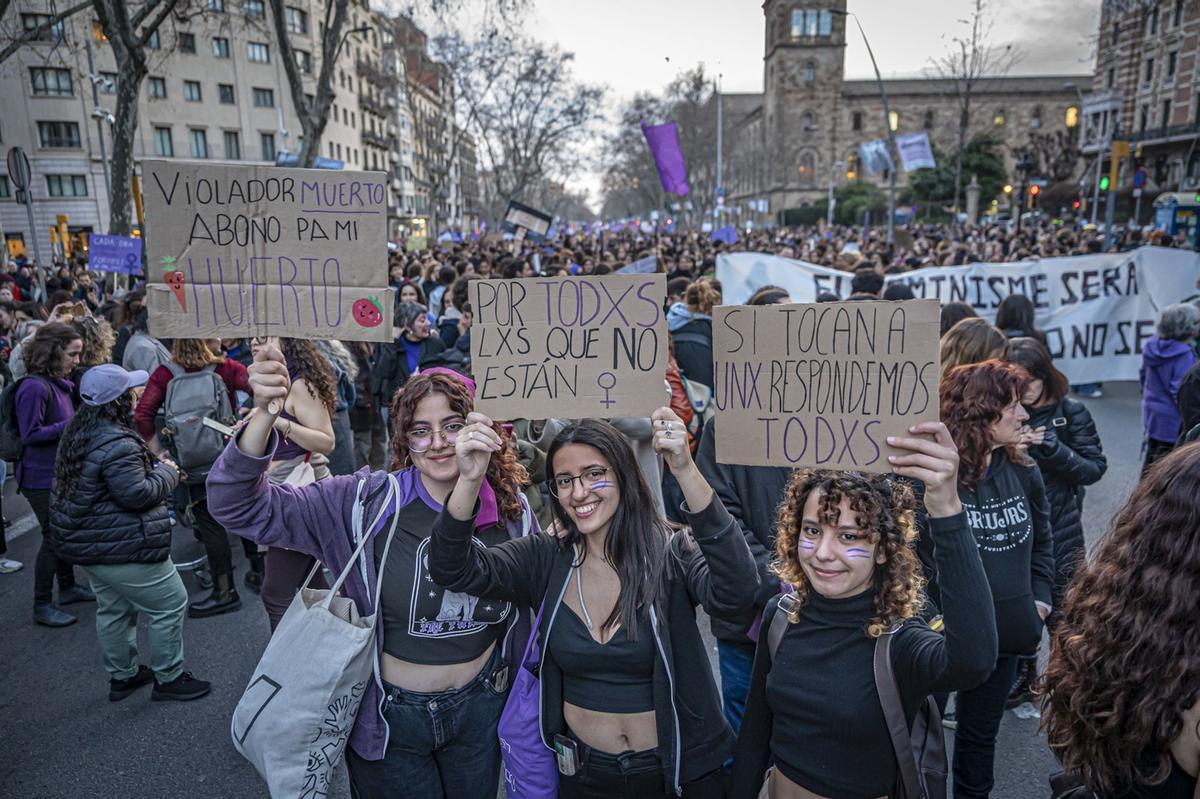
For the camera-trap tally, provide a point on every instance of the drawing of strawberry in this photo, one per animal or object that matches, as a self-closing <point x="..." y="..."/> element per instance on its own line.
<point x="368" y="312"/>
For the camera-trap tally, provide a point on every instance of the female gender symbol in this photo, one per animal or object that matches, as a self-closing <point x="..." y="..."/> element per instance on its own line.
<point x="607" y="388"/>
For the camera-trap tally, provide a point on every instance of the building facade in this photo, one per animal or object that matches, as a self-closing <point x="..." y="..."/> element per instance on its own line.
<point x="786" y="147"/>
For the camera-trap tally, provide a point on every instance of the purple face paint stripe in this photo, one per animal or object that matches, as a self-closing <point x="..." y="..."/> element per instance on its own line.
<point x="807" y="545"/>
<point x="857" y="552"/>
<point x="596" y="486"/>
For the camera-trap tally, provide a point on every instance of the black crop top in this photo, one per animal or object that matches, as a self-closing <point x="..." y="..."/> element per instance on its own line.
<point x="616" y="677"/>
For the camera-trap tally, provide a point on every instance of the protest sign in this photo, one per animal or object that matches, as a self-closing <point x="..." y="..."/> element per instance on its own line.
<point x="915" y="152"/>
<point x="822" y="385"/>
<point x="114" y="254"/>
<point x="569" y="347"/>
<point x="525" y="222"/>
<point x="240" y="251"/>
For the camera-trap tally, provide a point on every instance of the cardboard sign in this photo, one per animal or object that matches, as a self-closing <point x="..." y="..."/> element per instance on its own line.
<point x="823" y="385"/>
<point x="569" y="347"/>
<point x="240" y="251"/>
<point x="525" y="222"/>
<point x="114" y="254"/>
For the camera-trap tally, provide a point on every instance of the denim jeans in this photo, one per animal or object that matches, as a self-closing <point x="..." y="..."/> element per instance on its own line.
<point x="736" y="661"/>
<point x="631" y="775"/>
<point x="979" y="713"/>
<point x="441" y="745"/>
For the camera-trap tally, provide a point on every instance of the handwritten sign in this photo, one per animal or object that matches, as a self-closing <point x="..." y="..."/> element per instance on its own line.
<point x="569" y="347"/>
<point x="114" y="254"/>
<point x="526" y="222"/>
<point x="822" y="385"/>
<point x="239" y="251"/>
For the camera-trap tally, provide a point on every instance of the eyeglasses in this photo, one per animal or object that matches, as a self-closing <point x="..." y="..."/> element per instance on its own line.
<point x="420" y="438"/>
<point x="592" y="479"/>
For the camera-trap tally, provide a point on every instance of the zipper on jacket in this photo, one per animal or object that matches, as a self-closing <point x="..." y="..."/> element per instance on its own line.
<point x="671" y="683"/>
<point x="546" y="648"/>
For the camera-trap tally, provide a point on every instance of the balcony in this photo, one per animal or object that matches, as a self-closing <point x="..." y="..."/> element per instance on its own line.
<point x="368" y="102"/>
<point x="375" y="139"/>
<point x="1166" y="134"/>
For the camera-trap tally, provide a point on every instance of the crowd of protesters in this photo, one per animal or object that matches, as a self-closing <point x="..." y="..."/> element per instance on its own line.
<point x="597" y="540"/>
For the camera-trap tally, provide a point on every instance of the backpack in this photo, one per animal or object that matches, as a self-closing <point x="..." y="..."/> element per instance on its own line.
<point x="699" y="395"/>
<point x="191" y="398"/>
<point x="921" y="751"/>
<point x="10" y="432"/>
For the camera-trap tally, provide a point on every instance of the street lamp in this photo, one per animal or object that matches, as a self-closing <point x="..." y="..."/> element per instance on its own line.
<point x="364" y="29"/>
<point x="1099" y="153"/>
<point x="887" y="123"/>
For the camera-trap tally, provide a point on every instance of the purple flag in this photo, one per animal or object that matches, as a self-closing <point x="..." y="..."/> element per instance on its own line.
<point x="664" y="146"/>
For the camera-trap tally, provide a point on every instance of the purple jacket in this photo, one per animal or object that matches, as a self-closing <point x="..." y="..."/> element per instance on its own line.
<point x="1164" y="363"/>
<point x="44" y="409"/>
<point x="315" y="520"/>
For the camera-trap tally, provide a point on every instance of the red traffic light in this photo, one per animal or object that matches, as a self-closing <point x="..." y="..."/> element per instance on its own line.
<point x="1034" y="190"/>
<point x="1076" y="205"/>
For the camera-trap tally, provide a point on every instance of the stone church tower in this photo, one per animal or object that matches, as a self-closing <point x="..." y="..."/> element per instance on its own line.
<point x="805" y="44"/>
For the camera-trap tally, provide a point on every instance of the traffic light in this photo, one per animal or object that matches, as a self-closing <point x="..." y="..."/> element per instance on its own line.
<point x="1104" y="183"/>
<point x="1076" y="205"/>
<point x="1034" y="191"/>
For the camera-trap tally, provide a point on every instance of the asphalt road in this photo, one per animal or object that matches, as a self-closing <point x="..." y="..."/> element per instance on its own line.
<point x="60" y="737"/>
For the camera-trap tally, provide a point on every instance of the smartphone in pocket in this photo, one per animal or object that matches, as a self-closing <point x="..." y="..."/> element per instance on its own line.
<point x="566" y="750"/>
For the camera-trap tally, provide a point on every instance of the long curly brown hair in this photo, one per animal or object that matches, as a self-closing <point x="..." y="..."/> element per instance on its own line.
<point x="505" y="473"/>
<point x="98" y="339"/>
<point x="1125" y="659"/>
<point x="884" y="508"/>
<point x="311" y="366"/>
<point x="973" y="398"/>
<point x="44" y="352"/>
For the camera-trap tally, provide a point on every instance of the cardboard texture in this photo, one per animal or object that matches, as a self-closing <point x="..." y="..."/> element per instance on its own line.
<point x="569" y="347"/>
<point x="240" y="251"/>
<point x="823" y="385"/>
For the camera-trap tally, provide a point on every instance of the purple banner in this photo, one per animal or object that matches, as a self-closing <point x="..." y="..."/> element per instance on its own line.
<point x="668" y="158"/>
<point x="114" y="254"/>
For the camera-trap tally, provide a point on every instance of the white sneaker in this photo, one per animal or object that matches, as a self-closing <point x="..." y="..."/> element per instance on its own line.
<point x="8" y="566"/>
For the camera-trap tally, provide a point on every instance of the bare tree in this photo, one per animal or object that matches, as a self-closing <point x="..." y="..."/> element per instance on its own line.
<point x="130" y="31"/>
<point x="967" y="60"/>
<point x="17" y="36"/>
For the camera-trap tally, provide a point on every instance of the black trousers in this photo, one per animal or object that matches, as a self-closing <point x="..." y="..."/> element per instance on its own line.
<point x="48" y="565"/>
<point x="631" y="775"/>
<point x="209" y="532"/>
<point x="979" y="713"/>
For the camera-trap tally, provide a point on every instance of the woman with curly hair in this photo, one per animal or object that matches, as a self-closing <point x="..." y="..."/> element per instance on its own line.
<point x="429" y="729"/>
<point x="1002" y="491"/>
<point x="306" y="426"/>
<point x="846" y="545"/>
<point x="690" y="325"/>
<point x="97" y="336"/>
<point x="624" y="677"/>
<point x="1122" y="688"/>
<point x="971" y="340"/>
<point x="110" y="517"/>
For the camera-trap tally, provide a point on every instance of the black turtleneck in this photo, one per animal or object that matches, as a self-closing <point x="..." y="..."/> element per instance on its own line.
<point x="816" y="709"/>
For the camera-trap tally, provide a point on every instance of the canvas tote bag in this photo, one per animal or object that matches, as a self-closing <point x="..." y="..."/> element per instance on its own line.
<point x="294" y="719"/>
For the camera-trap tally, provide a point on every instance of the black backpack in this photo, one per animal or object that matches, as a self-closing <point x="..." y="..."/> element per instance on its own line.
<point x="921" y="751"/>
<point x="10" y="432"/>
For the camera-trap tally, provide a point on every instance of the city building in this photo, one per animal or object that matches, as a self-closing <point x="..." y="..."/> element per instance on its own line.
<point x="784" y="148"/>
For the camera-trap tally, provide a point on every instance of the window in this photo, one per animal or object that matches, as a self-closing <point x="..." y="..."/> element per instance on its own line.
<point x="198" y="138"/>
<point x="1165" y="120"/>
<point x="254" y="8"/>
<point x="1143" y="117"/>
<point x="808" y="122"/>
<point x="928" y="121"/>
<point x="58" y="134"/>
<point x="157" y="88"/>
<point x="331" y="149"/>
<point x="825" y="25"/>
<point x="5" y="191"/>
<point x="810" y="72"/>
<point x="217" y="6"/>
<point x="163" y="145"/>
<point x="1116" y="32"/>
<point x="1149" y="76"/>
<point x="153" y="42"/>
<point x="258" y="52"/>
<point x="894" y="120"/>
<point x="353" y="121"/>
<point x="339" y="151"/>
<point x="220" y="47"/>
<point x="856" y="121"/>
<point x="304" y="61"/>
<point x="310" y="100"/>
<point x="1152" y="22"/>
<point x="296" y="19"/>
<point x="1177" y="17"/>
<point x="67" y="185"/>
<point x="225" y="93"/>
<point x="1172" y="59"/>
<point x="1071" y="119"/>
<point x="267" y="143"/>
<point x="1111" y="78"/>
<point x="797" y="23"/>
<point x="264" y="98"/>
<point x="998" y="119"/>
<point x="51" y="82"/>
<point x="1035" y="119"/>
<point x="233" y="146"/>
<point x="191" y="91"/>
<point x="187" y="43"/>
<point x="54" y="33"/>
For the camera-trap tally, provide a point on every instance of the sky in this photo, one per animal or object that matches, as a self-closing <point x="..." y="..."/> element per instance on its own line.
<point x="641" y="45"/>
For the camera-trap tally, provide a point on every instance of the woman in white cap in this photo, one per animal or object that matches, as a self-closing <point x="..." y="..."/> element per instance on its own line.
<point x="109" y="515"/>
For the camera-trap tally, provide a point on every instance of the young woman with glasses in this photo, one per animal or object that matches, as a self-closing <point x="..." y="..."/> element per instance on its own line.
<point x="624" y="678"/>
<point x="427" y="724"/>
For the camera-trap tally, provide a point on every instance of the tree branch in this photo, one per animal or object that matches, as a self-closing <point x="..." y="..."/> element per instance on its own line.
<point x="25" y="37"/>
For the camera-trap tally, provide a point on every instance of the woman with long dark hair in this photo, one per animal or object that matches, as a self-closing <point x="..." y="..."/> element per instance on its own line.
<point x="1005" y="500"/>
<point x="302" y="457"/>
<point x="110" y="517"/>
<point x="971" y="340"/>
<point x="44" y="409"/>
<point x="846" y="546"/>
<point x="427" y="725"/>
<point x="1121" y="700"/>
<point x="1015" y="318"/>
<point x="624" y="678"/>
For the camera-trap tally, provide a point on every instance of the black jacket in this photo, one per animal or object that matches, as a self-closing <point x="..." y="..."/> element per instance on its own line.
<point x="391" y="366"/>
<point x="1188" y="400"/>
<point x="752" y="495"/>
<point x="694" y="352"/>
<point x="1069" y="458"/>
<point x="116" y="512"/>
<point x="694" y="738"/>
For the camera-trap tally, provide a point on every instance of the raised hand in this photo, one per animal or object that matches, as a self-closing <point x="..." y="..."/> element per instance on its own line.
<point x="934" y="463"/>
<point x="269" y="380"/>
<point x="474" y="447"/>
<point x="671" y="440"/>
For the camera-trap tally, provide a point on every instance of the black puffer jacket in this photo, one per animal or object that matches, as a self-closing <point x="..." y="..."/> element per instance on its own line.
<point x="1069" y="458"/>
<point x="116" y="512"/>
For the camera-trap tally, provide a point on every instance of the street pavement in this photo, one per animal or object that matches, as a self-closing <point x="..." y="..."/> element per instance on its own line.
<point x="61" y="737"/>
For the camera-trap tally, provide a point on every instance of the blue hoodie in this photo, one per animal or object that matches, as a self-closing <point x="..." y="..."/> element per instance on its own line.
<point x="1164" y="363"/>
<point x="678" y="315"/>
